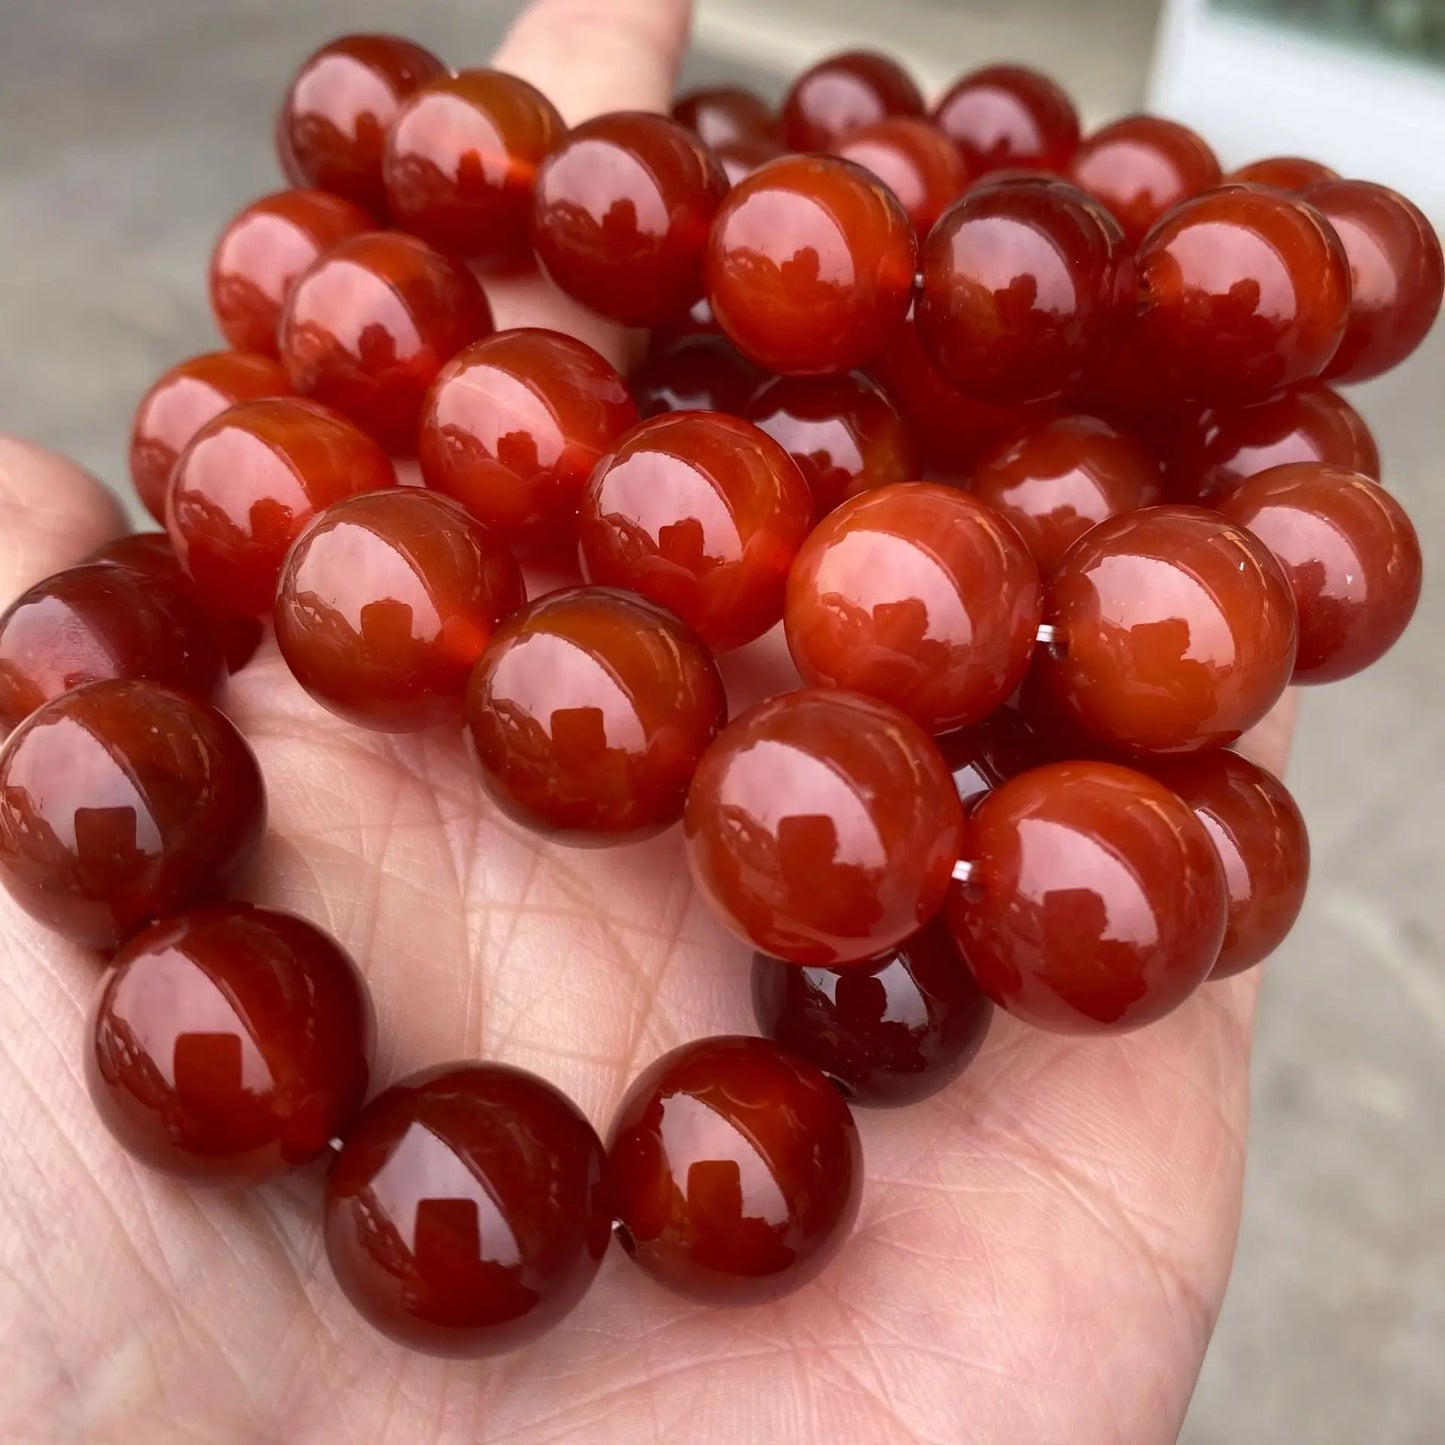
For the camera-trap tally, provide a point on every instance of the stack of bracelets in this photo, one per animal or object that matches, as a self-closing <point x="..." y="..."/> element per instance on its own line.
<point x="1006" y="777"/>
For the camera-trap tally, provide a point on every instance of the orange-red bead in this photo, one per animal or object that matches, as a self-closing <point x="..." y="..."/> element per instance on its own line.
<point x="1007" y="116"/>
<point x="1284" y="173"/>
<point x="843" y="93"/>
<point x="725" y="115"/>
<point x="914" y="159"/>
<point x="702" y="371"/>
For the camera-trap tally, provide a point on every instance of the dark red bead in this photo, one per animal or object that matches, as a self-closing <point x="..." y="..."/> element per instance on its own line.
<point x="724" y="115"/>
<point x="991" y="752"/>
<point x="843" y="93"/>
<point x="1284" y="173"/>
<point x="1009" y="116"/>
<point x="466" y="1213"/>
<point x="735" y="1170"/>
<point x="701" y="372"/>
<point x="229" y="1044"/>
<point x="739" y="158"/>
<point x="914" y="159"/>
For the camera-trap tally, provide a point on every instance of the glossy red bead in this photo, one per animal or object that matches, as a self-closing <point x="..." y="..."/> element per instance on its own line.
<point x="229" y="1044"/>
<point x="622" y="212"/>
<point x="262" y="251"/>
<point x="466" y="1213"/>
<point x="723" y="115"/>
<point x="701" y="372"/>
<point x="889" y="1033"/>
<point x="181" y="403"/>
<point x="513" y="428"/>
<point x="1007" y="116"/>
<point x="250" y="481"/>
<point x="702" y="513"/>
<point x="1175" y="630"/>
<point x="386" y="602"/>
<point x="369" y="326"/>
<point x="914" y="159"/>
<point x="587" y="715"/>
<point x="991" y="752"/>
<point x="342" y="101"/>
<point x="1350" y="553"/>
<point x="1284" y="173"/>
<point x="1096" y="903"/>
<point x="810" y="266"/>
<point x="823" y="827"/>
<point x="461" y="162"/>
<point x="739" y="158"/>
<point x="843" y="93"/>
<point x="121" y="802"/>
<point x="920" y="596"/>
<point x="735" y="1170"/>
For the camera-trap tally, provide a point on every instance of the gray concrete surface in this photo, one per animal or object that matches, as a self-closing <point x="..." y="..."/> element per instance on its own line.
<point x="129" y="129"/>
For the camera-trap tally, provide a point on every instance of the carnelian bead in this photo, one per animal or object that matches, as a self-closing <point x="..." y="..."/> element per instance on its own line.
<point x="1242" y="291"/>
<point x="725" y="114"/>
<point x="513" y="428"/>
<point x="622" y="212"/>
<point x="891" y="1032"/>
<point x="735" y="1170"/>
<point x="250" y="481"/>
<point x="262" y="251"/>
<point x="121" y="802"/>
<point x="386" y="602"/>
<point x="333" y="122"/>
<point x="1096" y="902"/>
<point x="466" y="1212"/>
<point x="823" y="827"/>
<point x="98" y="621"/>
<point x="991" y="752"/>
<point x="920" y="596"/>
<point x="1396" y="274"/>
<point x="1007" y="116"/>
<point x="843" y="93"/>
<point x="1175" y="630"/>
<point x="1142" y="166"/>
<point x="1351" y="556"/>
<point x="1284" y="173"/>
<point x="739" y="158"/>
<point x="369" y="326"/>
<point x="703" y="513"/>
<point x="701" y="372"/>
<point x="229" y="1044"/>
<point x="810" y="266"/>
<point x="461" y="161"/>
<point x="587" y="715"/>
<point x="1057" y="481"/>
<point x="181" y="403"/>
<point x="914" y="159"/>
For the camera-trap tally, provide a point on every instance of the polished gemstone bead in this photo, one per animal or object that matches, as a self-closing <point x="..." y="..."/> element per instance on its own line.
<point x="914" y="159"/>
<point x="701" y="372"/>
<point x="588" y="713"/>
<point x="920" y="596"/>
<point x="229" y="1044"/>
<point x="1284" y="173"/>
<point x="823" y="827"/>
<point x="1175" y="630"/>
<point x="810" y="266"/>
<point x="513" y="428"/>
<point x="723" y="115"/>
<point x="466" y="1212"/>
<point x="250" y="481"/>
<point x="739" y="158"/>
<point x="1350" y="553"/>
<point x="121" y="802"/>
<point x="370" y="325"/>
<point x="623" y="207"/>
<point x="991" y="752"/>
<point x="1007" y="116"/>
<point x="702" y="513"/>
<point x="461" y="161"/>
<point x="735" y="1170"/>
<point x="841" y="94"/>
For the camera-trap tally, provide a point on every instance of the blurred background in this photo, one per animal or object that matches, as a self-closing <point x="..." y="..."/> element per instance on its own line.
<point x="130" y="130"/>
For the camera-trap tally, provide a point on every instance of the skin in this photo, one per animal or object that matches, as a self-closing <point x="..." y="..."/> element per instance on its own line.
<point x="1042" y="1248"/>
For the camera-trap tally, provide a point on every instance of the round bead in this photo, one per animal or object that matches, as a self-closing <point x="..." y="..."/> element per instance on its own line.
<point x="1243" y="291"/>
<point x="461" y="161"/>
<point x="724" y="115"/>
<point x="914" y="159"/>
<point x="1057" y="481"/>
<point x="735" y="1170"/>
<point x="1175" y="630"/>
<point x="700" y="372"/>
<point x="1350" y="553"/>
<point x="920" y="596"/>
<point x="1284" y="173"/>
<point x="121" y="802"/>
<point x="841" y="94"/>
<point x="466" y="1212"/>
<point x="513" y="428"/>
<point x="623" y="207"/>
<point x="250" y="481"/>
<point x="991" y="752"/>
<point x="588" y="713"/>
<point x="370" y="325"/>
<point x="823" y="827"/>
<point x="741" y="158"/>
<point x="1396" y="274"/>
<point x="891" y="1032"/>
<point x="386" y="602"/>
<point x="181" y="403"/>
<point x="333" y="122"/>
<point x="262" y="251"/>
<point x="1008" y="116"/>
<point x="810" y="266"/>
<point x="700" y="512"/>
<point x="99" y="621"/>
<point x="229" y="1044"/>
